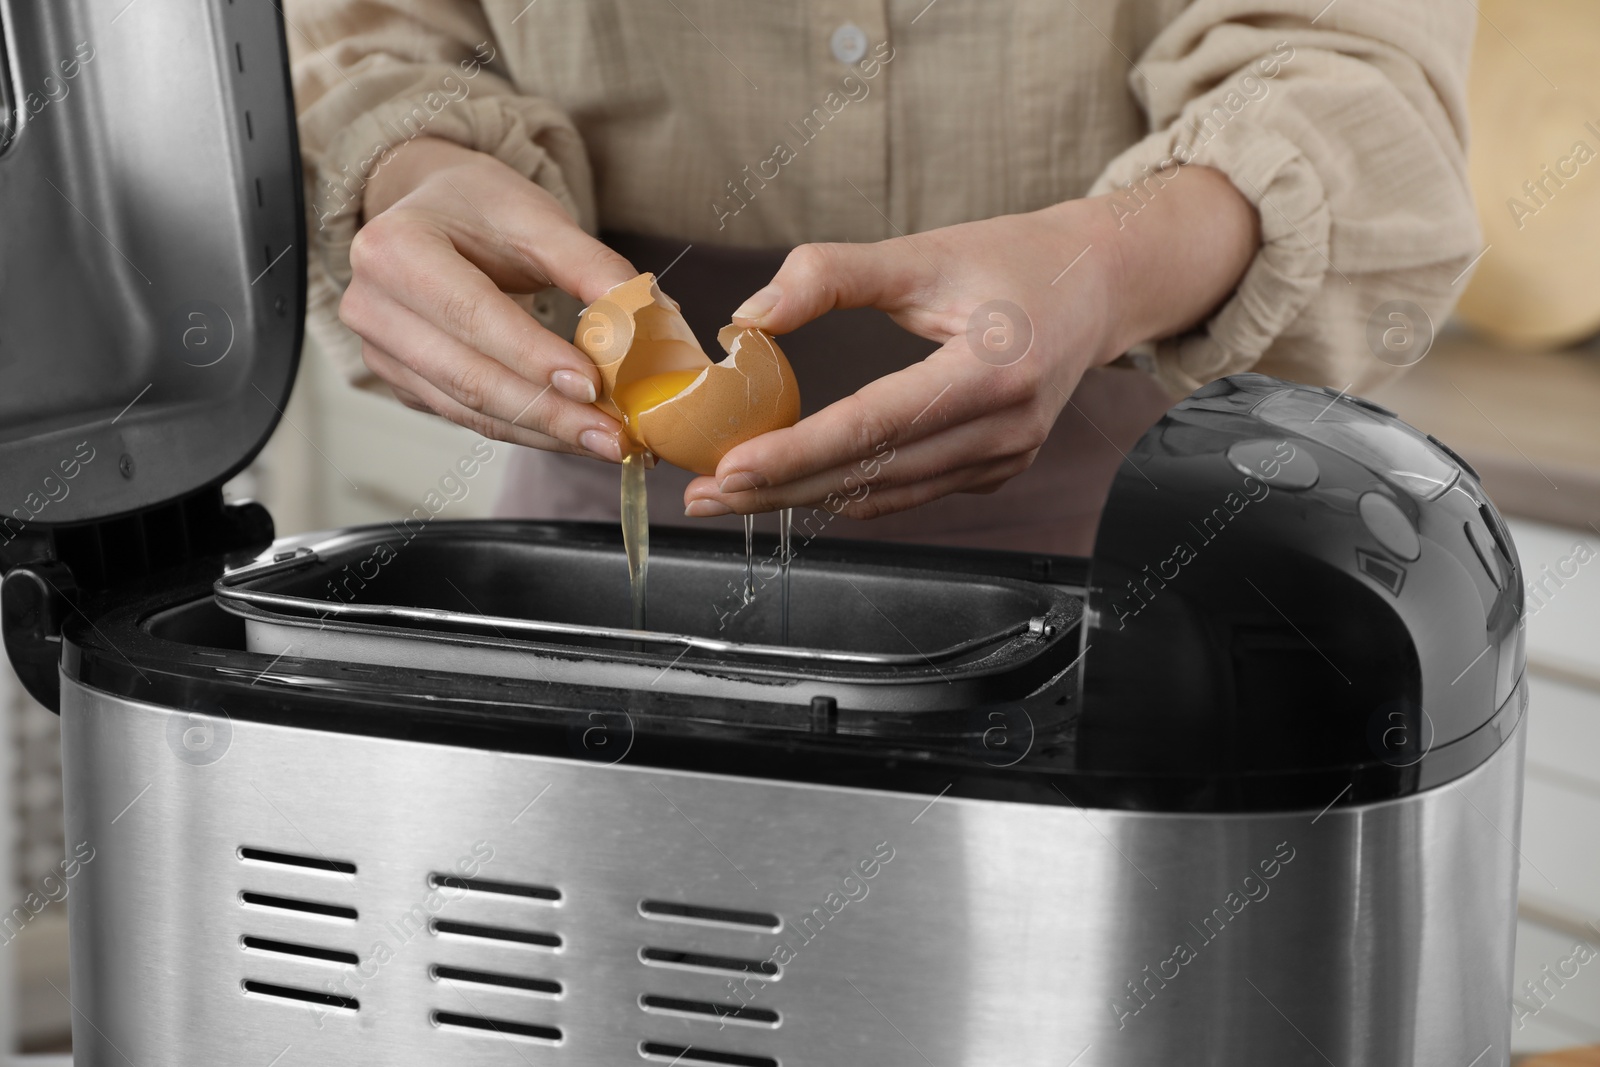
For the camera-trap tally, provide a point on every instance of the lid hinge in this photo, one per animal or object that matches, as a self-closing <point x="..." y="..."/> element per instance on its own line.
<point x="49" y="572"/>
<point x="34" y="602"/>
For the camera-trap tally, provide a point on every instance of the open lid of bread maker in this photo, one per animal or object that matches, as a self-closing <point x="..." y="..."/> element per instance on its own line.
<point x="152" y="285"/>
<point x="152" y="260"/>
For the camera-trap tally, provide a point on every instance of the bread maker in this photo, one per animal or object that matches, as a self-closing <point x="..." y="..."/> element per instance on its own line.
<point x="1243" y="787"/>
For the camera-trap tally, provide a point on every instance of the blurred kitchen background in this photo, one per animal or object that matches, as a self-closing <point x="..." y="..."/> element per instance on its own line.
<point x="1512" y="383"/>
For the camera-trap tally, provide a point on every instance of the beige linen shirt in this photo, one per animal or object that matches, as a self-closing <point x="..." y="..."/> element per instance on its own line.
<point x="767" y="124"/>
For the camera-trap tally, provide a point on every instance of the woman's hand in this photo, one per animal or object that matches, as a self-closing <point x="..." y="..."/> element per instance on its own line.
<point x="1022" y="304"/>
<point x="448" y="233"/>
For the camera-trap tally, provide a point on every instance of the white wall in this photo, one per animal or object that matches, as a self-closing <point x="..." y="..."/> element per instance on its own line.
<point x="1560" y="877"/>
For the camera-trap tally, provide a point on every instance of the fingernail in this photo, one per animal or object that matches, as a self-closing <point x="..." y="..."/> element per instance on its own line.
<point x="605" y="445"/>
<point x="706" y="509"/>
<point x="741" y="482"/>
<point x="571" y="384"/>
<point x="650" y="461"/>
<point x="758" y="305"/>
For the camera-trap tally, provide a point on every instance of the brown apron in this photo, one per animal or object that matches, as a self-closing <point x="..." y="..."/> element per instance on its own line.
<point x="1054" y="506"/>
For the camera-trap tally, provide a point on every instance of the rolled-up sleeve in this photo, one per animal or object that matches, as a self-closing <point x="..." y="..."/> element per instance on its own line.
<point x="1348" y="132"/>
<point x="370" y="75"/>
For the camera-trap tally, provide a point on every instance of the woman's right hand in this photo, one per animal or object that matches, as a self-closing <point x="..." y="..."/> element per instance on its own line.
<point x="448" y="233"/>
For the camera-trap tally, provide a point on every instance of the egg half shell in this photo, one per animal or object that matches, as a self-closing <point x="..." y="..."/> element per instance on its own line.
<point x="635" y="332"/>
<point x="752" y="391"/>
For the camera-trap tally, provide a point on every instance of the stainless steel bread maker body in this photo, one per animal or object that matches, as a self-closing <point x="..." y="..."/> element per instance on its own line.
<point x="1242" y="788"/>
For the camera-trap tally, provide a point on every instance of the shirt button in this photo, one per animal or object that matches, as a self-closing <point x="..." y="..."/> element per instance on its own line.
<point x="849" y="43"/>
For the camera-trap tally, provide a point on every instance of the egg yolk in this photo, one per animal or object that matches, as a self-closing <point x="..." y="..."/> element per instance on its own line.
<point x="639" y="396"/>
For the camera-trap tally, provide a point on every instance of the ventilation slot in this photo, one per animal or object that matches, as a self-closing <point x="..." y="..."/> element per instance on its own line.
<point x="707" y="1009"/>
<point x="310" y="952"/>
<point x="504" y="981"/>
<point x="505" y="889"/>
<point x="694" y="913"/>
<point x="1497" y="530"/>
<point x="309" y="907"/>
<point x="261" y="855"/>
<point x="1380" y="570"/>
<point x="497" y="933"/>
<point x="679" y="1054"/>
<point x="302" y="996"/>
<point x="499" y="1026"/>
<point x="666" y="957"/>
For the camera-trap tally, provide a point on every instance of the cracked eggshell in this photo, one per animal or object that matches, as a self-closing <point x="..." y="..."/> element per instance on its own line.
<point x="751" y="392"/>
<point x="635" y="332"/>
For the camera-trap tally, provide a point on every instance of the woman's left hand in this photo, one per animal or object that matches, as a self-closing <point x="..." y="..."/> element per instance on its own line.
<point x="1022" y="305"/>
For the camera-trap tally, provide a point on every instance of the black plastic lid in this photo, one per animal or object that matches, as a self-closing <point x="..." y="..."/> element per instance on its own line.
<point x="152" y="258"/>
<point x="1290" y="579"/>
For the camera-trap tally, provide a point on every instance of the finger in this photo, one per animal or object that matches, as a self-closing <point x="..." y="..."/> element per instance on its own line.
<point x="470" y="378"/>
<point x="984" y="479"/>
<point x="1003" y="435"/>
<point x="411" y="400"/>
<point x="576" y="262"/>
<point x="392" y="373"/>
<point x="866" y="501"/>
<point x="417" y="267"/>
<point x="904" y="498"/>
<point x="817" y="278"/>
<point x="546" y="242"/>
<point x="946" y="389"/>
<point x="430" y="398"/>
